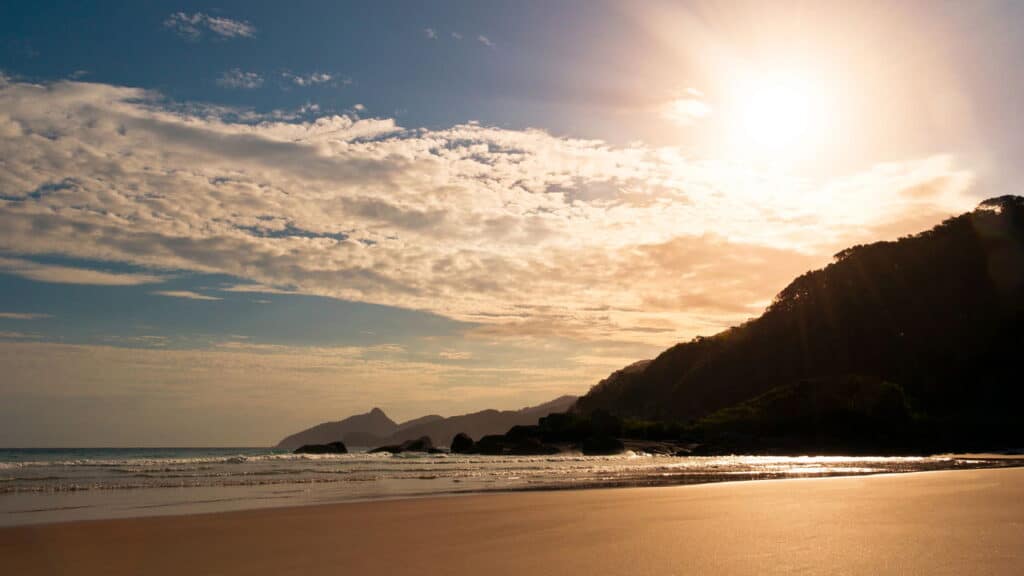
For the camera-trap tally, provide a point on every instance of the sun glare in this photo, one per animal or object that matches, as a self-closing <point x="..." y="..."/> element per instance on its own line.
<point x="775" y="117"/>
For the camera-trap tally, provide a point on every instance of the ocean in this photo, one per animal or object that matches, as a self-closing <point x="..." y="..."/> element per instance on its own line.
<point x="51" y="485"/>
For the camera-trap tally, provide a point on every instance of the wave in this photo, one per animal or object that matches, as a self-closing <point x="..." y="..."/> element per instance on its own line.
<point x="504" y="472"/>
<point x="173" y="461"/>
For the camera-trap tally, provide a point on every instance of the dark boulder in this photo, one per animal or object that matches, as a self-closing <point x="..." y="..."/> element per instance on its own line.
<point x="518" y="433"/>
<point x="497" y="444"/>
<point x="461" y="444"/>
<point x="421" y="444"/>
<point x="331" y="448"/>
<point x="530" y="447"/>
<point x="492" y="444"/>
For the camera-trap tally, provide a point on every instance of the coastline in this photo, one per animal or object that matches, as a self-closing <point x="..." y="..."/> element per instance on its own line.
<point x="941" y="522"/>
<point x="74" y="485"/>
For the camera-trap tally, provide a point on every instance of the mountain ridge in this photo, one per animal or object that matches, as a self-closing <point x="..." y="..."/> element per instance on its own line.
<point x="370" y="429"/>
<point x="939" y="315"/>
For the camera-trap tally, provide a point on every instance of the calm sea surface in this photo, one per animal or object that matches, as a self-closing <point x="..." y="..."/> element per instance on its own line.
<point x="50" y="485"/>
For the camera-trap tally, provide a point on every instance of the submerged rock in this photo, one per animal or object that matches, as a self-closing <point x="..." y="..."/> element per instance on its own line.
<point x="330" y="448"/>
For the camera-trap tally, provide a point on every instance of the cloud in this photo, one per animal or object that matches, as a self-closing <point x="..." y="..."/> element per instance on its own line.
<point x="236" y="78"/>
<point x="194" y="26"/>
<point x="520" y="231"/>
<point x="187" y="294"/>
<point x="255" y="288"/>
<point x="485" y="41"/>
<point x="22" y="316"/>
<point x="455" y="355"/>
<point x="311" y="79"/>
<point x="456" y="36"/>
<point x="6" y="335"/>
<point x="69" y="275"/>
<point x="687" y="109"/>
<point x="430" y="33"/>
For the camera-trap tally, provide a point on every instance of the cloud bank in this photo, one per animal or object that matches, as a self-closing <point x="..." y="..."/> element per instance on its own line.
<point x="521" y="231"/>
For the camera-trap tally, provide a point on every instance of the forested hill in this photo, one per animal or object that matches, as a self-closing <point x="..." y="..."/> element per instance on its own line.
<point x="937" y="316"/>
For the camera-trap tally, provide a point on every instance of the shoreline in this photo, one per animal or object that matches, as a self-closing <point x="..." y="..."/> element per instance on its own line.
<point x="99" y="503"/>
<point x="952" y="521"/>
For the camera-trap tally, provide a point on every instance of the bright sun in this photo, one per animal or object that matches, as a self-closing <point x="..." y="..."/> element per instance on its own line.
<point x="775" y="117"/>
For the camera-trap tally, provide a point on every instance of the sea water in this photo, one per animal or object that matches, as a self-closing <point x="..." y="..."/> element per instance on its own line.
<point x="50" y="485"/>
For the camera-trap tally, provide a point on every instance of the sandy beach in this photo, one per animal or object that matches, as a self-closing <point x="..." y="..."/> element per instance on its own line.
<point x="955" y="522"/>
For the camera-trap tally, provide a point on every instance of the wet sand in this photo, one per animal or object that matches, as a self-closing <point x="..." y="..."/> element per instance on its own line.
<point x="951" y="522"/>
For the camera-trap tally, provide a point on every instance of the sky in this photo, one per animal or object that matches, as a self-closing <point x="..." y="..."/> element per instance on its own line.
<point x="224" y="222"/>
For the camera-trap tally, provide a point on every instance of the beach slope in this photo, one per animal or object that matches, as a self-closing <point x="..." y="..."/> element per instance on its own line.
<point x="955" y="522"/>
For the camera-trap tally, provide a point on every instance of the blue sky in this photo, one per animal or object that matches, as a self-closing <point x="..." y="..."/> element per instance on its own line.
<point x="265" y="215"/>
<point x="378" y="54"/>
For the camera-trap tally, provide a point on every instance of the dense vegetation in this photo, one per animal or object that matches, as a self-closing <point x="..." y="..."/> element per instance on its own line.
<point x="907" y="345"/>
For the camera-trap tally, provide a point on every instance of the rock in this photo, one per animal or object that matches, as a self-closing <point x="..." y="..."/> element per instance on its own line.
<point x="496" y="444"/>
<point x="331" y="448"/>
<point x="492" y="444"/>
<point x="421" y="444"/>
<point x="531" y="447"/>
<point x="518" y="433"/>
<point x="602" y="445"/>
<point x="461" y="444"/>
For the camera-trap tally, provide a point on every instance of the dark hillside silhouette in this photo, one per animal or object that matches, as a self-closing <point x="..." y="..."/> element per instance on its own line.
<point x="938" y="315"/>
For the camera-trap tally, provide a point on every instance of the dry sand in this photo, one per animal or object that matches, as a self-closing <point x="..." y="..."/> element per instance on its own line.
<point x="956" y="522"/>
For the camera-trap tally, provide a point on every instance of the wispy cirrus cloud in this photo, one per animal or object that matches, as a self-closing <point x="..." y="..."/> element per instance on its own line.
<point x="525" y="233"/>
<point x="255" y="288"/>
<point x="23" y="316"/>
<point x="70" y="275"/>
<point x="485" y="41"/>
<point x="236" y="78"/>
<point x="194" y="26"/>
<point x="10" y="335"/>
<point x="430" y="33"/>
<point x="186" y="294"/>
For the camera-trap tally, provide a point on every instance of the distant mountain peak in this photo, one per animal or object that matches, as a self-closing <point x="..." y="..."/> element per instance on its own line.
<point x="374" y="423"/>
<point x="374" y="428"/>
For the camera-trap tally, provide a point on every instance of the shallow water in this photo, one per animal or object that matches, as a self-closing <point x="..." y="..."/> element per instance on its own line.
<point x="49" y="485"/>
